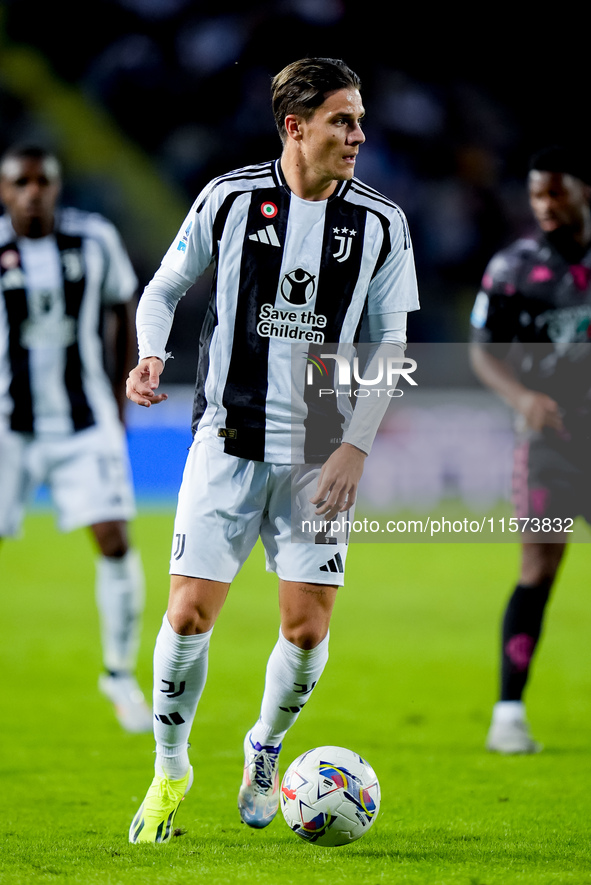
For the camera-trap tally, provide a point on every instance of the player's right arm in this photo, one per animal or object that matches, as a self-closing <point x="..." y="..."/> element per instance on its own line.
<point x="494" y="323"/>
<point x="154" y="318"/>
<point x="187" y="257"/>
<point x="143" y="382"/>
<point x="538" y="409"/>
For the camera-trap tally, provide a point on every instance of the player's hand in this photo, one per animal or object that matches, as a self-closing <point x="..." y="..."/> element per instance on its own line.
<point x="540" y="410"/>
<point x="144" y="380"/>
<point x="338" y="481"/>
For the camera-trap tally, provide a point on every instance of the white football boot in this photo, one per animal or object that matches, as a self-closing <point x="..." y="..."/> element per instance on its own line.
<point x="131" y="709"/>
<point x="509" y="732"/>
<point x="258" y="799"/>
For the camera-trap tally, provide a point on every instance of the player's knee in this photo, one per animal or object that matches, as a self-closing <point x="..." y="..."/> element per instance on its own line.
<point x="188" y="623"/>
<point x="111" y="538"/>
<point x="186" y="619"/>
<point x="305" y="636"/>
<point x="534" y="575"/>
<point x="540" y="563"/>
<point x="194" y="604"/>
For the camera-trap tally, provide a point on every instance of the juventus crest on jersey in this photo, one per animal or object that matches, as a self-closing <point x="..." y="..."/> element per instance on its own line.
<point x="52" y="376"/>
<point x="292" y="276"/>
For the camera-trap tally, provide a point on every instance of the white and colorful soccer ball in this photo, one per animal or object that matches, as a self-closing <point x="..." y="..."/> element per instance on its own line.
<point x="330" y="796"/>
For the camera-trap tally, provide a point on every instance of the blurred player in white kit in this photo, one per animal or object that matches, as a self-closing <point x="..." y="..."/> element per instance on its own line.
<point x="61" y="270"/>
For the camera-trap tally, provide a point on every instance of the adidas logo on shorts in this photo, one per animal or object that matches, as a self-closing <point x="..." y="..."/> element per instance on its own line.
<point x="333" y="565"/>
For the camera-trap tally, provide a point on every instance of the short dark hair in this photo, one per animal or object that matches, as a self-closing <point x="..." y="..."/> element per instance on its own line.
<point x="29" y="152"/>
<point x="302" y="86"/>
<point x="561" y="158"/>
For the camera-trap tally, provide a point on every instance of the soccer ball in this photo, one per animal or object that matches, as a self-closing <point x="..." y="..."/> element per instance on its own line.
<point x="330" y="796"/>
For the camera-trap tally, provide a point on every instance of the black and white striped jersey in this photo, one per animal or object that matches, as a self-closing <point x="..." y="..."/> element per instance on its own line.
<point x="291" y="276"/>
<point x="52" y="289"/>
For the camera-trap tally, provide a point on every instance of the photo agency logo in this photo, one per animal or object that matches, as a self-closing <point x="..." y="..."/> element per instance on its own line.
<point x="379" y="378"/>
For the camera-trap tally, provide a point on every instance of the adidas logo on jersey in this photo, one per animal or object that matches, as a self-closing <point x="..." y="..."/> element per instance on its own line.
<point x="267" y="236"/>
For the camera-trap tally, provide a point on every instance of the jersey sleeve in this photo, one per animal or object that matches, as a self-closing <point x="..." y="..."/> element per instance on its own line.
<point x="188" y="256"/>
<point x="494" y="316"/>
<point x="156" y="311"/>
<point x="192" y="250"/>
<point x="394" y="288"/>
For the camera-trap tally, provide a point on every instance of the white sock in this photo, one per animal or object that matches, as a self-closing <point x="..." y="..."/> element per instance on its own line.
<point x="509" y="711"/>
<point x="180" y="671"/>
<point x="120" y="599"/>
<point x="291" y="675"/>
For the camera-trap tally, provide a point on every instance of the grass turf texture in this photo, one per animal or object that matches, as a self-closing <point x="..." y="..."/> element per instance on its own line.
<point x="410" y="683"/>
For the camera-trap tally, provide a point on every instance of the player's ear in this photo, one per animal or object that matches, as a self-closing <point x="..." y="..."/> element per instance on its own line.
<point x="293" y="127"/>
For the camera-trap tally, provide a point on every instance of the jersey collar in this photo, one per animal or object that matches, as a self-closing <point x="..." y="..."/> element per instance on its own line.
<point x="340" y="190"/>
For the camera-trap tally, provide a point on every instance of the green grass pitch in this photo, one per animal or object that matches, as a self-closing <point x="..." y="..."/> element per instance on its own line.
<point x="409" y="685"/>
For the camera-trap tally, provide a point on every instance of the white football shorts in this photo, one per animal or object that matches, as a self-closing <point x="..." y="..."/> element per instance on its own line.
<point x="226" y="503"/>
<point x="87" y="474"/>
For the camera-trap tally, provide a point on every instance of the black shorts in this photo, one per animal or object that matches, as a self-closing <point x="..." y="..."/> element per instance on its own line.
<point x="552" y="478"/>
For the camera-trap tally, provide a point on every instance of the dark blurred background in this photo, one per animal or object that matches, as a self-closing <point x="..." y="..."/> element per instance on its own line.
<point x="145" y="100"/>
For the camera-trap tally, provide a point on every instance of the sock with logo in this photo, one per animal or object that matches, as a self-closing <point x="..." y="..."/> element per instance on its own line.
<point x="120" y="601"/>
<point x="180" y="671"/>
<point x="291" y="675"/>
<point x="522" y="626"/>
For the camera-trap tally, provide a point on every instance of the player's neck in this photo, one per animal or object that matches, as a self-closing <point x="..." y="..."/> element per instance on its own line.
<point x="304" y="182"/>
<point x="571" y="244"/>
<point x="34" y="228"/>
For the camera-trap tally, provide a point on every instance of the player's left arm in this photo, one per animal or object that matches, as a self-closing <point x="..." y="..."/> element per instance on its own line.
<point x="342" y="472"/>
<point x="392" y="292"/>
<point x="338" y="481"/>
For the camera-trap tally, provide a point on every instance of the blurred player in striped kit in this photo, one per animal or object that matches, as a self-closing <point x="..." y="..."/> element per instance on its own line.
<point x="62" y="273"/>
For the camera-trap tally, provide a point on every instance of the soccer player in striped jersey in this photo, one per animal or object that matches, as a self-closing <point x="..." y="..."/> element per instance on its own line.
<point x="60" y="421"/>
<point x="302" y="251"/>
